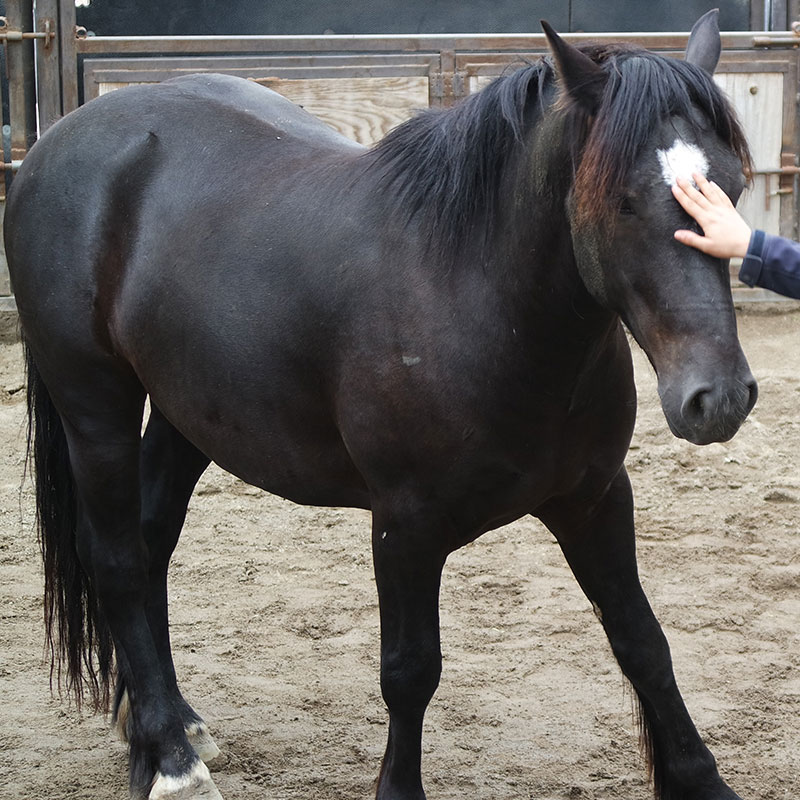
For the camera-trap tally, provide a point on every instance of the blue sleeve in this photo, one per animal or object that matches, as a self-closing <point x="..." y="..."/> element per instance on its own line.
<point x="773" y="263"/>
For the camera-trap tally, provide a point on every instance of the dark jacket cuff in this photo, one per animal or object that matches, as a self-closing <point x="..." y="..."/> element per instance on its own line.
<point x="753" y="262"/>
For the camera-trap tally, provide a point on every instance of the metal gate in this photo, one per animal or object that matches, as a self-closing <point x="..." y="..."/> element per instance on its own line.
<point x="364" y="85"/>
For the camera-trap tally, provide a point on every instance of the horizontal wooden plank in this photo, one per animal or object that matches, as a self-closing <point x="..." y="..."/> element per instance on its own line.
<point x="304" y="61"/>
<point x="136" y="72"/>
<point x="148" y="45"/>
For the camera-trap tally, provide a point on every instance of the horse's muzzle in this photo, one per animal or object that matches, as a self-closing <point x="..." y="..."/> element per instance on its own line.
<point x="710" y="412"/>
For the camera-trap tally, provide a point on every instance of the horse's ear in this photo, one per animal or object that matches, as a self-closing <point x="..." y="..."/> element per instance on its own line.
<point x="705" y="45"/>
<point x="582" y="79"/>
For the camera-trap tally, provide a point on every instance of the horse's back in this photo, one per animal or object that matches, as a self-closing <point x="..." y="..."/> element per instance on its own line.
<point x="210" y="124"/>
<point x="128" y="166"/>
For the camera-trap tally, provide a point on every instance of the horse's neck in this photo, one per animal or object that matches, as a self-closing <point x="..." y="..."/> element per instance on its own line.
<point x="534" y="244"/>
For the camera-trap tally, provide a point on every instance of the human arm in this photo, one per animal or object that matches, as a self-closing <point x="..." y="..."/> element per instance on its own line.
<point x="773" y="263"/>
<point x="770" y="262"/>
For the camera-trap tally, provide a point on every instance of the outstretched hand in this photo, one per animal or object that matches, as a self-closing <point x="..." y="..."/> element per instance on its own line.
<point x="727" y="235"/>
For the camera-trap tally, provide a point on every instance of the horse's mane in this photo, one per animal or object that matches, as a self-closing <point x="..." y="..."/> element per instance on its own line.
<point x="446" y="166"/>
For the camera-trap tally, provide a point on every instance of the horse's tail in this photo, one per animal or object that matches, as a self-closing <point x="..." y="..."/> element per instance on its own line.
<point x="78" y="638"/>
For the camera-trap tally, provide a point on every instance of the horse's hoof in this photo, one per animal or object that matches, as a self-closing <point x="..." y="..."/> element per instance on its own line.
<point x="196" y="785"/>
<point x="203" y="743"/>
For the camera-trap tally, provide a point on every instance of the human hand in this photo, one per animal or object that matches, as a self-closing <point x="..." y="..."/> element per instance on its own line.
<point x="726" y="233"/>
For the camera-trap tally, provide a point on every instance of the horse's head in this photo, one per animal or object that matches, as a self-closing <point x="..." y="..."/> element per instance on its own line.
<point x="642" y="120"/>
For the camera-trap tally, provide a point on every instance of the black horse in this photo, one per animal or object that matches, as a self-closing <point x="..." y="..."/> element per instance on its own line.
<point x="431" y="329"/>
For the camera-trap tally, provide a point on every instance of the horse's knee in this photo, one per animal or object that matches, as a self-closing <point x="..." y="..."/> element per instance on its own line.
<point x="409" y="679"/>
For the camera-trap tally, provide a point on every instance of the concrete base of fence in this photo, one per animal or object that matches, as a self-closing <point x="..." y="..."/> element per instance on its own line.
<point x="9" y="321"/>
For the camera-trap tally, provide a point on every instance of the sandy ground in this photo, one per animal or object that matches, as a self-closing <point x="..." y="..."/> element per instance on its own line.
<point x="275" y="629"/>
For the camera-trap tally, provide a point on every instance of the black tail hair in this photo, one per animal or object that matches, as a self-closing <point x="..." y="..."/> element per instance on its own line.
<point x="78" y="638"/>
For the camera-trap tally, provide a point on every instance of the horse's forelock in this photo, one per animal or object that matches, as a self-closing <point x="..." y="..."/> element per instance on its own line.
<point x="642" y="89"/>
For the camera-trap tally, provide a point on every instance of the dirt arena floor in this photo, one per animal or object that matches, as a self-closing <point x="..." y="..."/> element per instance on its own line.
<point x="275" y="629"/>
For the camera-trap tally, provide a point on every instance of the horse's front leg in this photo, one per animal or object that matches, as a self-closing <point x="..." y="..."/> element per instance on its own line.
<point x="600" y="548"/>
<point x="408" y="557"/>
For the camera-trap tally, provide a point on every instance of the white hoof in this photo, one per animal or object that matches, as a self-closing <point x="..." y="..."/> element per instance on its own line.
<point x="203" y="742"/>
<point x="196" y="785"/>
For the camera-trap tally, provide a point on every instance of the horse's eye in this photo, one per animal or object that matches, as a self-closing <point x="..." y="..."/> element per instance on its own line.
<point x="626" y="207"/>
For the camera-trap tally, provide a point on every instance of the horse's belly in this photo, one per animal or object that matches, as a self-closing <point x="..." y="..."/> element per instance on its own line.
<point x="291" y="449"/>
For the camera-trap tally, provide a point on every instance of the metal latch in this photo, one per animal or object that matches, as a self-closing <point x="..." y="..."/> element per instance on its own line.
<point x="787" y="172"/>
<point x="779" y="39"/>
<point x="7" y="35"/>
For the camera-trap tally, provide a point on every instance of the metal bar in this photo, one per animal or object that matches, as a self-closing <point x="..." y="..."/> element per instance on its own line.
<point x="782" y="40"/>
<point x="19" y="36"/>
<point x="785" y="170"/>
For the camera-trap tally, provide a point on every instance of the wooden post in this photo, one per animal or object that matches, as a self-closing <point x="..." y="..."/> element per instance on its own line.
<point x="21" y="78"/>
<point x="48" y="78"/>
<point x="779" y="15"/>
<point x="69" y="55"/>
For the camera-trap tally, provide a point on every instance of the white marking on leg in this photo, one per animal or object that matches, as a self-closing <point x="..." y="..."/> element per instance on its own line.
<point x="123" y="712"/>
<point x="202" y="741"/>
<point x="682" y="160"/>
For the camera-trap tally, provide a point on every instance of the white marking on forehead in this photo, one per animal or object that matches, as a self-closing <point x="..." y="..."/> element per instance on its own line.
<point x="681" y="161"/>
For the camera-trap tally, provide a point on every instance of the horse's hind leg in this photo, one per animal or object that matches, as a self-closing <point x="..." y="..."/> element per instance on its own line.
<point x="170" y="469"/>
<point x="600" y="548"/>
<point x="103" y="435"/>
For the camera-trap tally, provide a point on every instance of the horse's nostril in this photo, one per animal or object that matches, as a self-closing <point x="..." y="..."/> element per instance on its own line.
<point x="719" y="408"/>
<point x="697" y="403"/>
<point x="695" y="406"/>
<point x="752" y="387"/>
